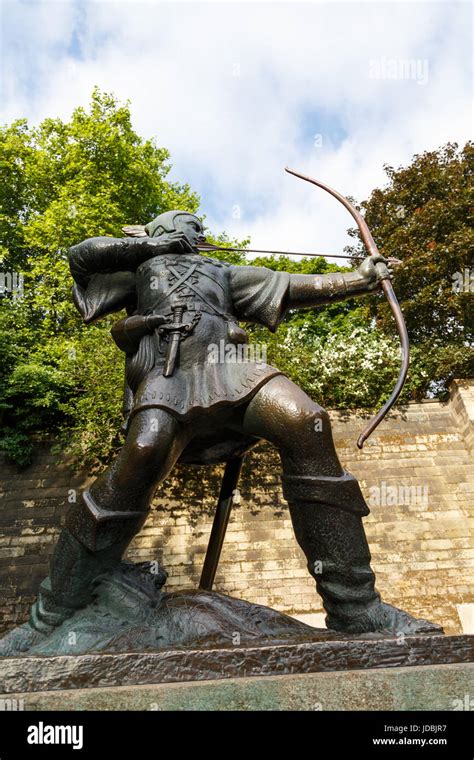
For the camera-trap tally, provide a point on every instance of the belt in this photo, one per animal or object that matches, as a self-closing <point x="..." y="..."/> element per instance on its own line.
<point x="194" y="306"/>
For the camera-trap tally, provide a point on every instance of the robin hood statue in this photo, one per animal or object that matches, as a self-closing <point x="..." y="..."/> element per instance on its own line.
<point x="184" y="407"/>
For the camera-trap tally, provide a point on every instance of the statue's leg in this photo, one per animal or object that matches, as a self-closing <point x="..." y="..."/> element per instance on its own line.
<point x="326" y="507"/>
<point x="101" y="525"/>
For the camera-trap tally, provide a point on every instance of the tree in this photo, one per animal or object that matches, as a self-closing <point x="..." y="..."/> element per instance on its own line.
<point x="425" y="218"/>
<point x="63" y="182"/>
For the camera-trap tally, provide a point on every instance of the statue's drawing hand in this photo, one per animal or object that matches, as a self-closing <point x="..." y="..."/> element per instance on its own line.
<point x="174" y="242"/>
<point x="374" y="269"/>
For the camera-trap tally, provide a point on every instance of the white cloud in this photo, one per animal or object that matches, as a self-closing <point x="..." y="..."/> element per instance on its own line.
<point x="229" y="89"/>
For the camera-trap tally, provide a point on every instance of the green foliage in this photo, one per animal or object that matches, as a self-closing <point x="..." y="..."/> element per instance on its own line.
<point x="94" y="412"/>
<point x="65" y="181"/>
<point x="318" y="322"/>
<point x="425" y="218"/>
<point x="356" y="365"/>
<point x="17" y="445"/>
<point x="61" y="183"/>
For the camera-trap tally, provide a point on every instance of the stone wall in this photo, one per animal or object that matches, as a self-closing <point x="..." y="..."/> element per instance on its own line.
<point x="416" y="472"/>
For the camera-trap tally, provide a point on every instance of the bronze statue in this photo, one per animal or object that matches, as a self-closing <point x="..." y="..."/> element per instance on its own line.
<point x="182" y="407"/>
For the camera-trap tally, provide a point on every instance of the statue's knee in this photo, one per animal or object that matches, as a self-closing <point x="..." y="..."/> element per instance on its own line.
<point x="321" y="420"/>
<point x="144" y="450"/>
<point x="150" y="439"/>
<point x="311" y="418"/>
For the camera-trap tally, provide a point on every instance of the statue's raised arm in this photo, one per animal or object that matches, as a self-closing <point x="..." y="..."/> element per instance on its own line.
<point x="103" y="270"/>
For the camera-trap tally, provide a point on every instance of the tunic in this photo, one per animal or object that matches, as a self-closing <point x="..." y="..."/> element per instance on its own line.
<point x="214" y="296"/>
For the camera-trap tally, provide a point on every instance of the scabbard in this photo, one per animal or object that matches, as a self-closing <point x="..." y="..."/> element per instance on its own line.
<point x="171" y="355"/>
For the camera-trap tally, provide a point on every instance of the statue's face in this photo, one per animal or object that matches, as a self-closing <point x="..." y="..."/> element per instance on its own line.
<point x="191" y="228"/>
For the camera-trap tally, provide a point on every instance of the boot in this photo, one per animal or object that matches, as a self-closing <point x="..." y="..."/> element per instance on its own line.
<point x="92" y="543"/>
<point x="69" y="584"/>
<point x="326" y="513"/>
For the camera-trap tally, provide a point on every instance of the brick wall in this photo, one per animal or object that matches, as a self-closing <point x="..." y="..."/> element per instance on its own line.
<point x="416" y="471"/>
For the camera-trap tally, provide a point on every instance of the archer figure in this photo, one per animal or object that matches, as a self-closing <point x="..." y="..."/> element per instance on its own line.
<point x="189" y="409"/>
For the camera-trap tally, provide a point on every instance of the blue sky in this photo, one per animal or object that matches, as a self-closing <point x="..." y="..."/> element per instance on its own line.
<point x="236" y="91"/>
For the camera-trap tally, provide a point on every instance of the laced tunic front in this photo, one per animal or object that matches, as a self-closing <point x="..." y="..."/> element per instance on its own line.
<point x="213" y="295"/>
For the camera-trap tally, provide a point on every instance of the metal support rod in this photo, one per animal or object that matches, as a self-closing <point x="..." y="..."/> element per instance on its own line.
<point x="221" y="519"/>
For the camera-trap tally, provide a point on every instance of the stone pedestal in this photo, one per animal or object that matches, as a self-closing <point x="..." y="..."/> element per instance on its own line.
<point x="339" y="673"/>
<point x="427" y="687"/>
